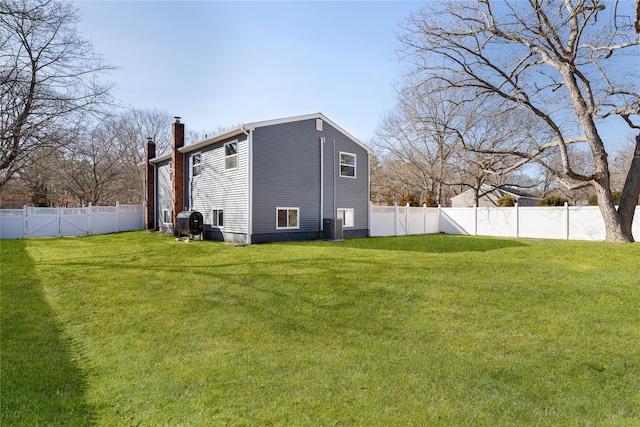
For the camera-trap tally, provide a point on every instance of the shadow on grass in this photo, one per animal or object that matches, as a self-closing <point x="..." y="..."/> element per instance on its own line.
<point x="41" y="385"/>
<point x="430" y="243"/>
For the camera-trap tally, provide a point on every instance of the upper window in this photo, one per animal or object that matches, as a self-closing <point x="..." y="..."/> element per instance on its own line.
<point x="196" y="164"/>
<point x="347" y="165"/>
<point x="347" y="216"/>
<point x="231" y="155"/>
<point x="218" y="218"/>
<point x="287" y="218"/>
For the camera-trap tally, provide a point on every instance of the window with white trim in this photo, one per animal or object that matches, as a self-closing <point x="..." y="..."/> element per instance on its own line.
<point x="347" y="165"/>
<point x="347" y="216"/>
<point x="196" y="164"/>
<point x="218" y="218"/>
<point x="167" y="216"/>
<point x="287" y="218"/>
<point x="231" y="155"/>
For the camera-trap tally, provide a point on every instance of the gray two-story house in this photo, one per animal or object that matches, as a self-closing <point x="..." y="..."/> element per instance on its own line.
<point x="274" y="180"/>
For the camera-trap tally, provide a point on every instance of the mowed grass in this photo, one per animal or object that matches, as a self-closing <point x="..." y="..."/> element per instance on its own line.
<point x="137" y="329"/>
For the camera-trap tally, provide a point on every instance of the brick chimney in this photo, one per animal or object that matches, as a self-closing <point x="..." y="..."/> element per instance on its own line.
<point x="150" y="187"/>
<point x="177" y="168"/>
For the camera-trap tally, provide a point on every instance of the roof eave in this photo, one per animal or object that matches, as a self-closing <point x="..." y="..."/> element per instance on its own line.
<point x="236" y="131"/>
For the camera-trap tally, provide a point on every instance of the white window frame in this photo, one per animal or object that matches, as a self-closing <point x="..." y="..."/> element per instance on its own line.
<point x="230" y="156"/>
<point x="215" y="222"/>
<point x="288" y="227"/>
<point x="348" y="217"/>
<point x="355" y="160"/>
<point x="167" y="213"/>
<point x="196" y="165"/>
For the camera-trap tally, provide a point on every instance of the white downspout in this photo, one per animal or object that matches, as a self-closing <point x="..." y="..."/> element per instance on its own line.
<point x="334" y="214"/>
<point x="321" y="183"/>
<point x="249" y="184"/>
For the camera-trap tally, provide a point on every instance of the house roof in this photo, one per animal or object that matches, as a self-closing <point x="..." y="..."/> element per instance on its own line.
<point x="245" y="128"/>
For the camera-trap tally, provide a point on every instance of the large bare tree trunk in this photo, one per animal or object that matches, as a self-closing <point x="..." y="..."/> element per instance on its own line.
<point x="631" y="192"/>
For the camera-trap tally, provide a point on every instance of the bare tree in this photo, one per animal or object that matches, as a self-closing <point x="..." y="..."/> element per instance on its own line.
<point x="94" y="170"/>
<point x="48" y="79"/>
<point x="566" y="62"/>
<point x="418" y="134"/>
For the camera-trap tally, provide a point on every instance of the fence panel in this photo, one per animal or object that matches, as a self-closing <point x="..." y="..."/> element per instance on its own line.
<point x="131" y="217"/>
<point x="74" y="222"/>
<point x="103" y="219"/>
<point x="43" y="222"/>
<point x="383" y="219"/>
<point x="55" y="222"/>
<point x="586" y="223"/>
<point x="457" y="220"/>
<point x="496" y="222"/>
<point x="562" y="222"/>
<point x="12" y="223"/>
<point x="543" y="222"/>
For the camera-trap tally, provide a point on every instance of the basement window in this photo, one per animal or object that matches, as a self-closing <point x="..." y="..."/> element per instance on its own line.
<point x="287" y="218"/>
<point x="167" y="216"/>
<point x="218" y="218"/>
<point x="347" y="217"/>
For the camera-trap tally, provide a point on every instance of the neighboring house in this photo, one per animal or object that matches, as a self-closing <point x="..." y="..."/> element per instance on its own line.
<point x="489" y="195"/>
<point x="274" y="180"/>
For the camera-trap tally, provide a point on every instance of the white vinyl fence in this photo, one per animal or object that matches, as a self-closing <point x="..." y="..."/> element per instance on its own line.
<point x="59" y="222"/>
<point x="563" y="222"/>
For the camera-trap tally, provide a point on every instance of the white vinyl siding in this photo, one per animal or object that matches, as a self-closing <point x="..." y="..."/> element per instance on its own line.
<point x="163" y="196"/>
<point x="220" y="189"/>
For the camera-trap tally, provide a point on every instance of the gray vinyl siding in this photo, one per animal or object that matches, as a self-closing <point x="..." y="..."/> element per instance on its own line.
<point x="218" y="188"/>
<point x="163" y="193"/>
<point x="350" y="193"/>
<point x="286" y="173"/>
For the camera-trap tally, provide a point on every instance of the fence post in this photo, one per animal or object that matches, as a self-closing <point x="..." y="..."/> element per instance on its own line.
<point x="515" y="206"/>
<point x="566" y="220"/>
<point x="406" y="219"/>
<point x="25" y="224"/>
<point x="396" y="214"/>
<point x="370" y="206"/>
<point x="89" y="219"/>
<point x="117" y="216"/>
<point x="424" y="218"/>
<point x="439" y="216"/>
<point x="475" y="219"/>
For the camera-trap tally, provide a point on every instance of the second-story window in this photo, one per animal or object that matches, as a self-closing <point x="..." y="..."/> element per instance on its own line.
<point x="196" y="164"/>
<point x="347" y="165"/>
<point x="231" y="155"/>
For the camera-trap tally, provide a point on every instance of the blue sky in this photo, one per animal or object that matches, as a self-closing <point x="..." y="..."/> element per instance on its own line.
<point x="220" y="63"/>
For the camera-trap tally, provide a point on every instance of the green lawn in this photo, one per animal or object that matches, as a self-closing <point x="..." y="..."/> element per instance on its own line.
<point x="138" y="329"/>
